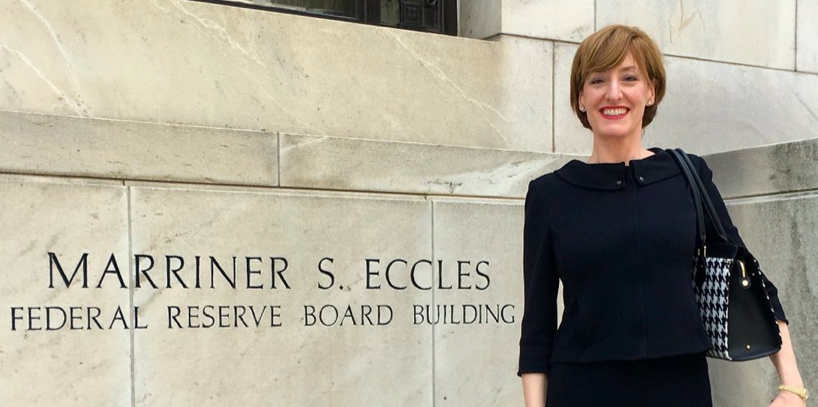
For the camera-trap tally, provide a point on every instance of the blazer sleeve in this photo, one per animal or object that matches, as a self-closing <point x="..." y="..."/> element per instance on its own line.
<point x="539" y="324"/>
<point x="707" y="178"/>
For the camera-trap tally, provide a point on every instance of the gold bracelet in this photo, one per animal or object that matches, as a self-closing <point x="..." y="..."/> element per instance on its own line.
<point x="800" y="391"/>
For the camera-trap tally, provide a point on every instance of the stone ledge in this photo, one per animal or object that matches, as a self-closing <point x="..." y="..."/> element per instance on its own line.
<point x="60" y="145"/>
<point x="772" y="169"/>
<point x="349" y="164"/>
<point x="46" y="179"/>
<point x="135" y="152"/>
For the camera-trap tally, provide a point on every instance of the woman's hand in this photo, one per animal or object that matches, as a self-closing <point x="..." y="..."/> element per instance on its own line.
<point x="785" y="365"/>
<point x="787" y="399"/>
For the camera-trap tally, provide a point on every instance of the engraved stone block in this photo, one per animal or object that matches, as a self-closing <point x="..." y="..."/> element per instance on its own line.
<point x="477" y="316"/>
<point x="261" y="299"/>
<point x="64" y="326"/>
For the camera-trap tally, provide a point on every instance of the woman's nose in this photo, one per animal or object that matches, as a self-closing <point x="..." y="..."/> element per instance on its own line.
<point x="614" y="91"/>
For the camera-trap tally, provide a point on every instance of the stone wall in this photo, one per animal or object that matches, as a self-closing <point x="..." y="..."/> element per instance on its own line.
<point x="359" y="180"/>
<point x="333" y="287"/>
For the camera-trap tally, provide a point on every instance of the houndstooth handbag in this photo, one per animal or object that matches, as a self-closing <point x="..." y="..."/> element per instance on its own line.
<point x="733" y="302"/>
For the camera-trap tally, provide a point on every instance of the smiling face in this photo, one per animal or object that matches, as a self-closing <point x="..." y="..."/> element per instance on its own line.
<point x="615" y="100"/>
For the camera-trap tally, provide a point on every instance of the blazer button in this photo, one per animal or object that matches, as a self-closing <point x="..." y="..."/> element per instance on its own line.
<point x="641" y="179"/>
<point x="619" y="182"/>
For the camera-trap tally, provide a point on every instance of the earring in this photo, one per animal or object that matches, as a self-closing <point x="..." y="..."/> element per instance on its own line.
<point x="581" y="108"/>
<point x="650" y="103"/>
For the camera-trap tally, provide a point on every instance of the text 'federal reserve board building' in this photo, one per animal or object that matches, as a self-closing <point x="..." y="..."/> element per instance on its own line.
<point x="320" y="202"/>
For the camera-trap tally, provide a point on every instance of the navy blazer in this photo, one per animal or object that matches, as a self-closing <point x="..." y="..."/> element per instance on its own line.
<point x="621" y="239"/>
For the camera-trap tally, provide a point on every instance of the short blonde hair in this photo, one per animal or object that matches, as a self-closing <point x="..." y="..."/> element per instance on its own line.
<point x="607" y="48"/>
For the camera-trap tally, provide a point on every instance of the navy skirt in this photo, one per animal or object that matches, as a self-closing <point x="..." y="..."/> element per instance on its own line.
<point x="676" y="381"/>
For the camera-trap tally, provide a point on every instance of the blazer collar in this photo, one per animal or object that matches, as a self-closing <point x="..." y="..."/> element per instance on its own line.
<point x="612" y="176"/>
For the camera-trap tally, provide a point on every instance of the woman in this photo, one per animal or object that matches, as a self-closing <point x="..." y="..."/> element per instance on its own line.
<point x="619" y="232"/>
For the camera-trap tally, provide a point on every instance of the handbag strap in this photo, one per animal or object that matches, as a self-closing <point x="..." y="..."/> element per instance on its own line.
<point x="708" y="203"/>
<point x="701" y="195"/>
<point x="697" y="201"/>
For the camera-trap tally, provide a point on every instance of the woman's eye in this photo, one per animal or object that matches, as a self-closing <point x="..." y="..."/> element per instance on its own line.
<point x="596" y="81"/>
<point x="631" y="78"/>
